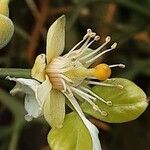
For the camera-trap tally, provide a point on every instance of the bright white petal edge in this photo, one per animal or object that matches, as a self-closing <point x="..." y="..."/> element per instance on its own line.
<point x="29" y="87"/>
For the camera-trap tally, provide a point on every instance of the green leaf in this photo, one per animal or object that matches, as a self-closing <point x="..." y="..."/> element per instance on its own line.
<point x="128" y="103"/>
<point x="72" y="136"/>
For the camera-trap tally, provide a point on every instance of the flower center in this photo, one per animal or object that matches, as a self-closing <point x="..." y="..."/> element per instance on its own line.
<point x="68" y="72"/>
<point x="62" y="71"/>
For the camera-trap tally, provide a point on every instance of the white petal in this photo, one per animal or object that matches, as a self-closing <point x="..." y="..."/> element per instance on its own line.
<point x="92" y="129"/>
<point x="55" y="39"/>
<point x="43" y="91"/>
<point x="29" y="87"/>
<point x="31" y="105"/>
<point x="94" y="133"/>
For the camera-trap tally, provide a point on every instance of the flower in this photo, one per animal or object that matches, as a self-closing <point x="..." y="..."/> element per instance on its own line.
<point x="56" y="78"/>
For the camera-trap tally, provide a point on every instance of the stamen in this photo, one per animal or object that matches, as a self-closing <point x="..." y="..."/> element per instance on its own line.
<point x="74" y="47"/>
<point x="109" y="103"/>
<point x="84" y="96"/>
<point x="117" y="65"/>
<point x="105" y="84"/>
<point x="83" y="50"/>
<point x="93" y="59"/>
<point x="91" y="33"/>
<point x="87" y="37"/>
<point x="114" y="46"/>
<point x="103" y="113"/>
<point x="64" y="85"/>
<point x="73" y="101"/>
<point x="64" y="77"/>
<point x="107" y="40"/>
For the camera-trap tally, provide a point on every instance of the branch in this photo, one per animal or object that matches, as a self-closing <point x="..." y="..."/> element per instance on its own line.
<point x="23" y="73"/>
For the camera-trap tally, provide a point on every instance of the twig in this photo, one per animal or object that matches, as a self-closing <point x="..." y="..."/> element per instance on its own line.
<point x="23" y="73"/>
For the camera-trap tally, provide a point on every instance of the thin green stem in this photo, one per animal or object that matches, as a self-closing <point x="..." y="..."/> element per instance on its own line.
<point x="23" y="73"/>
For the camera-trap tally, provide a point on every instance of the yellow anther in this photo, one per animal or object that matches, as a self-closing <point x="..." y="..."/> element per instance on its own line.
<point x="102" y="72"/>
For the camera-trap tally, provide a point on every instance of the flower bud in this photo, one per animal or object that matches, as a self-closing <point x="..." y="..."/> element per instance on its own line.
<point x="6" y="25"/>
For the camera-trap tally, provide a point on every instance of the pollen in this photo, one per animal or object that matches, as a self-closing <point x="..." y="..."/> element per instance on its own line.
<point x="102" y="72"/>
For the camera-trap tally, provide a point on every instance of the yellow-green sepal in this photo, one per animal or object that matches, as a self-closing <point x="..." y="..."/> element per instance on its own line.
<point x="128" y="102"/>
<point x="72" y="136"/>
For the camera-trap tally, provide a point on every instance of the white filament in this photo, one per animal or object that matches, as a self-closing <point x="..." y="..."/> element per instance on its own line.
<point x="104" y="84"/>
<point x="97" y="56"/>
<point x="117" y="65"/>
<point x="97" y="50"/>
<point x="92" y="93"/>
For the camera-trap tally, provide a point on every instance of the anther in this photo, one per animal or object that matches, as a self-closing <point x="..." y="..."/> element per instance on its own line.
<point x="120" y="86"/>
<point x="104" y="113"/>
<point x="92" y="34"/>
<point x="97" y="38"/>
<point x="89" y="31"/>
<point x="107" y="39"/>
<point x="121" y="65"/>
<point x="109" y="103"/>
<point x="114" y="46"/>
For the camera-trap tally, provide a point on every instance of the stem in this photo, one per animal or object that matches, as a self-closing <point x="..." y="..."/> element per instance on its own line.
<point x="23" y="73"/>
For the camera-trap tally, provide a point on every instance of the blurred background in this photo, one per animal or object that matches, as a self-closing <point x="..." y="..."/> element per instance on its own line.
<point x="126" y="21"/>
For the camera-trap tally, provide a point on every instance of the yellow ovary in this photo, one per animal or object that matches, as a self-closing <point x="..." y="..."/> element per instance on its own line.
<point x="102" y="72"/>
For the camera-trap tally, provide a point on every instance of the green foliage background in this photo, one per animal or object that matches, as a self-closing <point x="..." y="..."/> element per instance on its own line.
<point x="128" y="23"/>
